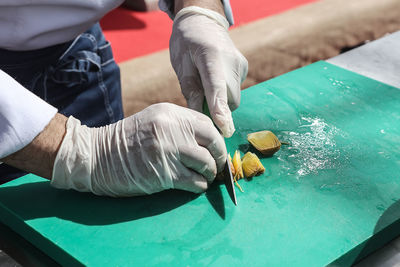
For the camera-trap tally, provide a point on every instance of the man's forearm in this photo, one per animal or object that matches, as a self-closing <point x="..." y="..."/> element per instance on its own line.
<point x="215" y="5"/>
<point x="38" y="157"/>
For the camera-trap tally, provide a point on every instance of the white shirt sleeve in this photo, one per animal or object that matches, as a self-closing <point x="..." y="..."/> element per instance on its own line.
<point x="23" y="115"/>
<point x="30" y="25"/>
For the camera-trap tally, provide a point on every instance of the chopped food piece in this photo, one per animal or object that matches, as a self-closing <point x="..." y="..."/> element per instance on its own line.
<point x="251" y="165"/>
<point x="237" y="164"/>
<point x="237" y="184"/>
<point x="265" y="141"/>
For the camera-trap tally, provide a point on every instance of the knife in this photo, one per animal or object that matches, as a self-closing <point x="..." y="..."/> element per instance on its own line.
<point x="227" y="173"/>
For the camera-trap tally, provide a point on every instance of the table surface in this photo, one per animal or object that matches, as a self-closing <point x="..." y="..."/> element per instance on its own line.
<point x="329" y="197"/>
<point x="379" y="60"/>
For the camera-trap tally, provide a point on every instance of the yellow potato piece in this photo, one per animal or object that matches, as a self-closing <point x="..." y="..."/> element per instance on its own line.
<point x="265" y="141"/>
<point x="251" y="165"/>
<point x="237" y="164"/>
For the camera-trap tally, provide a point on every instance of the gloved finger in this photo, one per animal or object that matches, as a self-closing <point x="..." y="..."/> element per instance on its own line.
<point x="200" y="160"/>
<point x="193" y="92"/>
<point x="244" y="68"/>
<point x="191" y="181"/>
<point x="196" y="100"/>
<point x="235" y="71"/>
<point x="233" y="93"/>
<point x="233" y="84"/>
<point x="212" y="77"/>
<point x="207" y="136"/>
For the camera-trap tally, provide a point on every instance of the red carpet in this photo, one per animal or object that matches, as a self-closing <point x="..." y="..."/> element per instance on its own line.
<point x="134" y="34"/>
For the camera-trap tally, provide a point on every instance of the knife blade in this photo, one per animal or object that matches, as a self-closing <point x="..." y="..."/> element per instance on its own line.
<point x="227" y="173"/>
<point x="228" y="180"/>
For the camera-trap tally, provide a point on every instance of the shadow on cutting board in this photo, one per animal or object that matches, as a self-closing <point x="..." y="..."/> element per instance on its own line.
<point x="39" y="200"/>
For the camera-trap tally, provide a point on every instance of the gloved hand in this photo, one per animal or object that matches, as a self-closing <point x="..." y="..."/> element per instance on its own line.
<point x="164" y="146"/>
<point x="207" y="63"/>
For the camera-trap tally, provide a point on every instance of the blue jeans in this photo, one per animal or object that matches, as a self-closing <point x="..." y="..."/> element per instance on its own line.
<point x="80" y="78"/>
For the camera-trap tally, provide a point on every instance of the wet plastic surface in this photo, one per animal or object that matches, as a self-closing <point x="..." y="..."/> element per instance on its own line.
<point x="321" y="199"/>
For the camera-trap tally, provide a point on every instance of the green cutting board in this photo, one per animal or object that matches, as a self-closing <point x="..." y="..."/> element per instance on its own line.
<point x="330" y="196"/>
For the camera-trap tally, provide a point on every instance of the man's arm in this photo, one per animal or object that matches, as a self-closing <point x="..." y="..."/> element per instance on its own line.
<point x="38" y="156"/>
<point x="207" y="63"/>
<point x="23" y="118"/>
<point x="215" y="5"/>
<point x="174" y="147"/>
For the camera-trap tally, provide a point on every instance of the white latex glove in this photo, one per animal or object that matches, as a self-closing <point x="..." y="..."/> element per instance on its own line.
<point x="207" y="63"/>
<point x="164" y="146"/>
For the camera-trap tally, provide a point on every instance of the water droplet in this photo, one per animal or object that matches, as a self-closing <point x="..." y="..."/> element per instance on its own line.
<point x="312" y="147"/>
